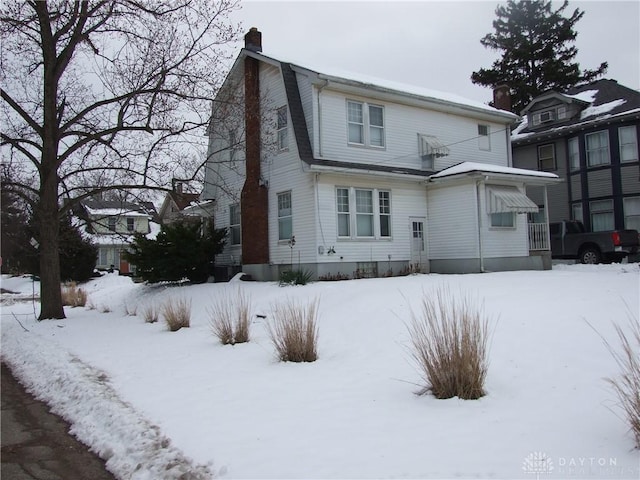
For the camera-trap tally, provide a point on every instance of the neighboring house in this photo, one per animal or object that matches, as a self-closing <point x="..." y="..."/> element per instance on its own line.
<point x="112" y="225"/>
<point x="174" y="204"/>
<point x="589" y="137"/>
<point x="341" y="175"/>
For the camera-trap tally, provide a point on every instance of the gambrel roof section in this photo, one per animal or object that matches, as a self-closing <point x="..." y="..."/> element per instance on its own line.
<point x="582" y="107"/>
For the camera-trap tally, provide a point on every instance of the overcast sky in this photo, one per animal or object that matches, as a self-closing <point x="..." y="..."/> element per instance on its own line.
<point x="432" y="44"/>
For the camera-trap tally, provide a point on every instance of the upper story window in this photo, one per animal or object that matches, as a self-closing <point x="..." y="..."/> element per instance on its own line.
<point x="234" y="225"/>
<point x="484" y="142"/>
<point x="282" y="124"/>
<point x="549" y="115"/>
<point x="365" y="124"/>
<point x="574" y="153"/>
<point x="285" y="216"/>
<point x="233" y="144"/>
<point x="131" y="225"/>
<point x="597" y="148"/>
<point x="628" y="144"/>
<point x="112" y="223"/>
<point x="546" y="158"/>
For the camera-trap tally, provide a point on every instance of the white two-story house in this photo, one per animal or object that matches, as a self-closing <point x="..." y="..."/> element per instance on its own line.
<point x="335" y="174"/>
<point x="111" y="225"/>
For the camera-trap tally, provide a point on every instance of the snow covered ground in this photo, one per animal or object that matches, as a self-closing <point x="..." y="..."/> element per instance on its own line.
<point x="157" y="404"/>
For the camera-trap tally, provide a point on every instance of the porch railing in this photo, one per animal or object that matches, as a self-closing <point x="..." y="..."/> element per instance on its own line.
<point x="538" y="236"/>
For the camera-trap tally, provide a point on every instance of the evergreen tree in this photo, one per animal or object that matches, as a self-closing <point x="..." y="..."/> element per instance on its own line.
<point x="537" y="51"/>
<point x="180" y="251"/>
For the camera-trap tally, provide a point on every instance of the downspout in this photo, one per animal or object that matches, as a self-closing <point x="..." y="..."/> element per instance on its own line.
<point x="509" y="150"/>
<point x="326" y="82"/>
<point x="479" y="213"/>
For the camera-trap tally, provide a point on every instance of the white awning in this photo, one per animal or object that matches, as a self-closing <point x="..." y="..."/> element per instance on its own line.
<point x="430" y="145"/>
<point x="509" y="199"/>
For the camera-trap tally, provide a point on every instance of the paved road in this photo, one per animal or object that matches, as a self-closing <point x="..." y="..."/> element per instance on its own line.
<point x="35" y="443"/>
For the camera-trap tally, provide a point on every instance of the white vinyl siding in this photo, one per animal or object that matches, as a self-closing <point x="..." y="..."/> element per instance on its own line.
<point x="597" y="148"/>
<point x="285" y="218"/>
<point x="628" y="144"/>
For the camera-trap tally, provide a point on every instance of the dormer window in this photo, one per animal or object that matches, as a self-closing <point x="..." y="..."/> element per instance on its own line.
<point x="549" y="115"/>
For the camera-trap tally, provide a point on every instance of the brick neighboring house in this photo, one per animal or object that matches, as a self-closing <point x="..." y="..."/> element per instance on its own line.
<point x="587" y="135"/>
<point x="111" y="226"/>
<point x="353" y="175"/>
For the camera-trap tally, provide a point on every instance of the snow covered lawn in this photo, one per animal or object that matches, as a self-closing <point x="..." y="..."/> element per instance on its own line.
<point x="158" y="404"/>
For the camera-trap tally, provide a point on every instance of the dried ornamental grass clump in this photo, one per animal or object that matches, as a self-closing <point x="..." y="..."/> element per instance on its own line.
<point x="231" y="317"/>
<point x="73" y="296"/>
<point x="294" y="331"/>
<point x="449" y="343"/>
<point x="177" y="313"/>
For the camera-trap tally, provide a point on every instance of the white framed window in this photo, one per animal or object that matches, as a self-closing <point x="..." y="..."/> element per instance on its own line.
<point x="233" y="144"/>
<point x="112" y="221"/>
<point x="576" y="212"/>
<point x="285" y="216"/>
<point x="562" y="112"/>
<point x="631" y="207"/>
<point x="503" y="220"/>
<point x="365" y="124"/>
<point x="484" y="142"/>
<point x="131" y="224"/>
<point x="601" y="215"/>
<point x="344" y="215"/>
<point x="363" y="212"/>
<point x="574" y="153"/>
<point x="235" y="230"/>
<point x="384" y="209"/>
<point x="103" y="258"/>
<point x="283" y="128"/>
<point x="546" y="157"/>
<point x="628" y="139"/>
<point x="597" y="148"/>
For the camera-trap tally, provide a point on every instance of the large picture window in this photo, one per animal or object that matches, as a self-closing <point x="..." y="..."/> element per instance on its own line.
<point x="597" y="147"/>
<point x="363" y="213"/>
<point x="365" y="124"/>
<point x="285" y="217"/>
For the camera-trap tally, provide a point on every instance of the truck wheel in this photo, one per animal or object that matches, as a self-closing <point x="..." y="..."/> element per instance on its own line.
<point x="590" y="256"/>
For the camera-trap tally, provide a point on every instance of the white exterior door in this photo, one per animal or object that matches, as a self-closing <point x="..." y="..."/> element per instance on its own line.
<point x="417" y="233"/>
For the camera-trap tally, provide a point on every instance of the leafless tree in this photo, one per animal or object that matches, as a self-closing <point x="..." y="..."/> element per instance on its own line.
<point x="104" y="94"/>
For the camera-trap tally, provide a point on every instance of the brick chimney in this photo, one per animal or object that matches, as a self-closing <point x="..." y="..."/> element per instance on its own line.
<point x="253" y="40"/>
<point x="254" y="205"/>
<point x="502" y="97"/>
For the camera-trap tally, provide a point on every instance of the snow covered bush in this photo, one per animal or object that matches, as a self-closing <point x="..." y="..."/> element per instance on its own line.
<point x="294" y="332"/>
<point x="449" y="343"/>
<point x="73" y="296"/>
<point x="177" y="313"/>
<point x="230" y="318"/>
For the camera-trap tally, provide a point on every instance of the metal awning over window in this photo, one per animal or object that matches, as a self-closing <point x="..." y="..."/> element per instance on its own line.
<point x="509" y="199"/>
<point x="430" y="145"/>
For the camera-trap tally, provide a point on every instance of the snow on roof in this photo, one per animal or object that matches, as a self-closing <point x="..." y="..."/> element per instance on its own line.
<point x="468" y="167"/>
<point x="429" y="94"/>
<point x="598" y="110"/>
<point x="587" y="96"/>
<point x="112" y="212"/>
